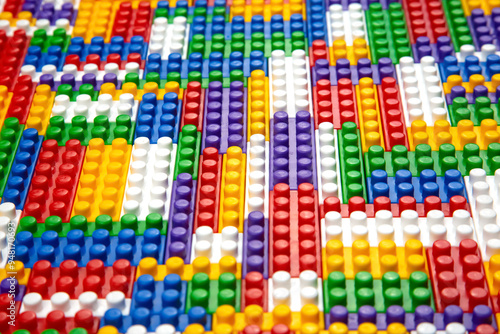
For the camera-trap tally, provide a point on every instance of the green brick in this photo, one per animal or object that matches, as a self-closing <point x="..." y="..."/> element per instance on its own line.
<point x="483" y="109"/>
<point x="54" y="223"/>
<point x="88" y="89"/>
<point x="440" y="161"/>
<point x="188" y="152"/>
<point x="58" y="38"/>
<point x="84" y="131"/>
<point x="457" y="23"/>
<point x="210" y="294"/>
<point x="387" y="32"/>
<point x="381" y="294"/>
<point x="351" y="162"/>
<point x="10" y="135"/>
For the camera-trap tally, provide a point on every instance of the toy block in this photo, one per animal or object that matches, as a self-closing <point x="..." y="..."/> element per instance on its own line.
<point x="318" y="50"/>
<point x="10" y="136"/>
<point x="391" y="114"/>
<point x="226" y="317"/>
<point x="391" y="290"/>
<point x="86" y="28"/>
<point x="255" y="247"/>
<point x="439" y="50"/>
<point x="258" y="105"/>
<point x="11" y="286"/>
<point x="475" y="80"/>
<point x="102" y="46"/>
<point x="129" y="21"/>
<point x="451" y="267"/>
<point x="39" y="56"/>
<point x="409" y="226"/>
<point x="39" y="112"/>
<point x="21" y="99"/>
<point x="387" y="33"/>
<point x="23" y="168"/>
<point x="214" y="246"/>
<point x="210" y="294"/>
<point x="208" y="190"/>
<point x="13" y="51"/>
<point x="307" y="289"/>
<point x="293" y="96"/>
<point x="112" y="64"/>
<point x="232" y="198"/>
<point x="351" y="162"/>
<point x="257" y="181"/>
<point x="169" y="38"/>
<point x="224" y="121"/>
<point x="469" y="66"/>
<point x="422" y="92"/>
<point x="55" y="198"/>
<point x="69" y="278"/>
<point x="376" y="260"/>
<point x="356" y="203"/>
<point x="182" y="210"/>
<point x="75" y="246"/>
<point x="294" y="222"/>
<point x="188" y="152"/>
<point x="327" y="162"/>
<point x="266" y="10"/>
<point x="427" y="184"/>
<point x="316" y="21"/>
<point x="368" y="111"/>
<point x="9" y="221"/>
<point x="343" y="69"/>
<point x="254" y="291"/>
<point x="52" y="12"/>
<point x="425" y="20"/>
<point x="175" y="265"/>
<point x="481" y="22"/>
<point x="193" y="106"/>
<point x="102" y="163"/>
<point x="292" y="163"/>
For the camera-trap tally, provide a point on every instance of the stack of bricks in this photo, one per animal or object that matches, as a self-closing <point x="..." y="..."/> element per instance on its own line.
<point x="249" y="166"/>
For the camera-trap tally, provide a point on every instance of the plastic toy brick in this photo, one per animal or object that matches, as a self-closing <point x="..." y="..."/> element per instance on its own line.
<point x="293" y="96"/>
<point x="387" y="32"/>
<point x="224" y="121"/>
<point x="232" y="199"/>
<point x="39" y="112"/>
<point x="295" y="293"/>
<point x="254" y="291"/>
<point x="175" y="265"/>
<point x="240" y="8"/>
<point x="391" y="114"/>
<point x="316" y="21"/>
<point x="132" y="63"/>
<point x="369" y="114"/>
<point x="258" y="105"/>
<point x="210" y="294"/>
<point x="386" y="226"/>
<point x="425" y="19"/>
<point x="282" y="315"/>
<point x="422" y="93"/>
<point x="351" y="162"/>
<point x="471" y="65"/>
<point x="131" y="21"/>
<point x="52" y="13"/>
<point x="104" y="106"/>
<point x="21" y="99"/>
<point x="188" y="148"/>
<point x="255" y="247"/>
<point x="294" y="222"/>
<point x="214" y="246"/>
<point x="150" y="179"/>
<point x="344" y="70"/>
<point x="482" y="191"/>
<point x="318" y="50"/>
<point x="481" y="110"/>
<point x="5" y="99"/>
<point x="86" y="28"/>
<point x="475" y="80"/>
<point x="102" y="163"/>
<point x="391" y="290"/>
<point x="14" y="49"/>
<point x="182" y="210"/>
<point x="356" y="203"/>
<point x="452" y="267"/>
<point x="47" y="280"/>
<point x="297" y="164"/>
<point x="52" y="56"/>
<point x="376" y="260"/>
<point x="193" y="106"/>
<point x="101" y="128"/>
<point x="22" y="170"/>
<point x="116" y="45"/>
<point x="440" y="50"/>
<point x="347" y="33"/>
<point x="481" y="24"/>
<point x="10" y="135"/>
<point x="12" y="285"/>
<point x="9" y="221"/>
<point x="327" y="162"/>
<point x="427" y="184"/>
<point x="208" y="191"/>
<point x="257" y="181"/>
<point x="169" y="38"/>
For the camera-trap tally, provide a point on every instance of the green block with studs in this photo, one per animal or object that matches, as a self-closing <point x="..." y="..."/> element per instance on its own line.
<point x="188" y="151"/>
<point x="457" y="24"/>
<point x="483" y="109"/>
<point x="66" y="89"/>
<point x="10" y="136"/>
<point x="59" y="38"/>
